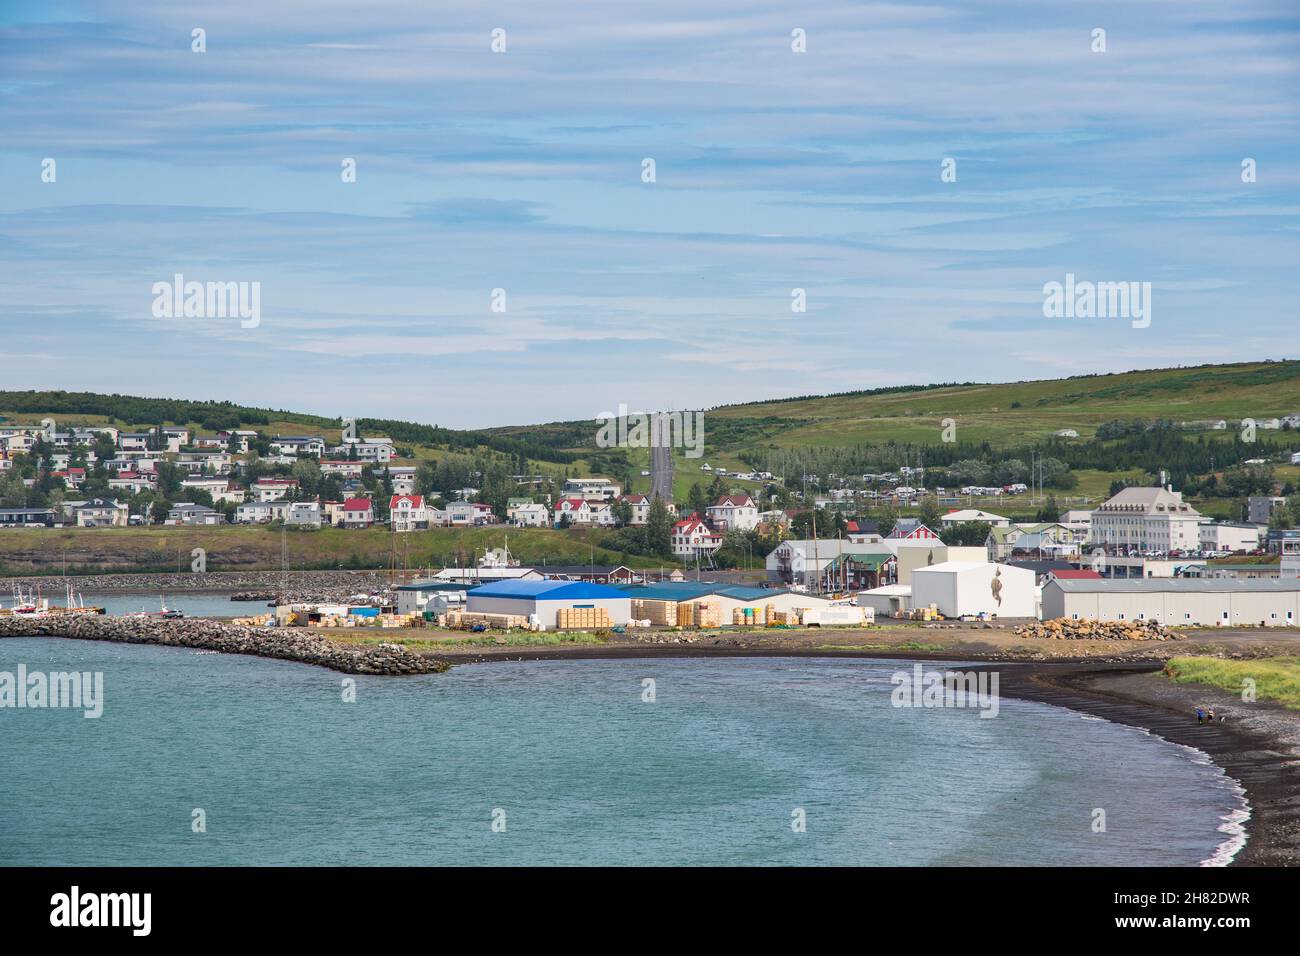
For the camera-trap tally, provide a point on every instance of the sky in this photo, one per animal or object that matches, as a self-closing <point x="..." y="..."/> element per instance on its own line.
<point x="524" y="171"/>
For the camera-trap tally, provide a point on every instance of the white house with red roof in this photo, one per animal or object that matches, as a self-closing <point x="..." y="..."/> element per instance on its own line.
<point x="693" y="537"/>
<point x="577" y="510"/>
<point x="408" y="513"/>
<point x="733" y="513"/>
<point x="358" y="513"/>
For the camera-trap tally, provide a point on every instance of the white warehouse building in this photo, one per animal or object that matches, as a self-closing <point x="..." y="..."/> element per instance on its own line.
<point x="958" y="588"/>
<point x="1207" y="602"/>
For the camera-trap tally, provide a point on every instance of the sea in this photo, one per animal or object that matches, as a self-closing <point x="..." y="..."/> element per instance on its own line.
<point x="208" y="759"/>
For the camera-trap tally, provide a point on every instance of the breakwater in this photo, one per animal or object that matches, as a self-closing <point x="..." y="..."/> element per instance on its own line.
<point x="298" y="586"/>
<point x="282" y="643"/>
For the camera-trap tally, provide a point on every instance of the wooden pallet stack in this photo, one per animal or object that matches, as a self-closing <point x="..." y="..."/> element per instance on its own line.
<point x="577" y="618"/>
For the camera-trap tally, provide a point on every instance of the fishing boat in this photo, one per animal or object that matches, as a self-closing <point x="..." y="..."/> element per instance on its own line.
<point x="164" y="612"/>
<point x="76" y="604"/>
<point x="29" y="604"/>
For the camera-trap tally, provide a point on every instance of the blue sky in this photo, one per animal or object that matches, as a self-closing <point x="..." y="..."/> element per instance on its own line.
<point x="522" y="170"/>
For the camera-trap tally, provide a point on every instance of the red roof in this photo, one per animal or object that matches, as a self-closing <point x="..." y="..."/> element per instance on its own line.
<point x="417" y="501"/>
<point x="1077" y="573"/>
<point x="357" y="504"/>
<point x="573" y="503"/>
<point x="635" y="499"/>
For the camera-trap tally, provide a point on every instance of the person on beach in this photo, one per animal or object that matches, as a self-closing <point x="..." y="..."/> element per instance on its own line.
<point x="1210" y="715"/>
<point x="1200" y="715"/>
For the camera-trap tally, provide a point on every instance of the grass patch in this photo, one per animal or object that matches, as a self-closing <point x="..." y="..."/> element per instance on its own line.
<point x="1276" y="678"/>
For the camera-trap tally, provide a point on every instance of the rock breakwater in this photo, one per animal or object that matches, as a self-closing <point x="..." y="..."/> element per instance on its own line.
<point x="282" y="643"/>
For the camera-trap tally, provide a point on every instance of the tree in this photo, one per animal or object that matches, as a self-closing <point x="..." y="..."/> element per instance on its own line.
<point x="966" y="534"/>
<point x="659" y="529"/>
<point x="1050" y="511"/>
<point x="929" y="513"/>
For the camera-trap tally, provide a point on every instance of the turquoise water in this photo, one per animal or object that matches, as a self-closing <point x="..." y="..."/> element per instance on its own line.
<point x="584" y="770"/>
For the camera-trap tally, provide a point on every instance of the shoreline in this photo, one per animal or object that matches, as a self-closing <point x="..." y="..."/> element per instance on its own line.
<point x="1258" y="747"/>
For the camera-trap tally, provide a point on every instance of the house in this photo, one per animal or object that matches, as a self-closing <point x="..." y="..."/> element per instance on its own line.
<point x="343" y="469"/>
<point x="575" y="509"/>
<point x="133" y="441"/>
<point x="1260" y="508"/>
<point x="26" y="518"/>
<point x="460" y="513"/>
<point x="1146" y="519"/>
<point x="187" y="513"/>
<point x="203" y="462"/>
<point x="861" y="531"/>
<point x="303" y="514"/>
<point x="591" y="489"/>
<point x="371" y="450"/>
<point x="102" y="513"/>
<point x="296" y="445"/>
<point x="72" y="477"/>
<point x="1038" y="538"/>
<point x="133" y="481"/>
<point x="973" y="514"/>
<point x="274" y="489"/>
<point x="692" y="538"/>
<point x="733" y="513"/>
<point x="403" y="480"/>
<point x="332" y="513"/>
<point x="526" y="513"/>
<point x="358" y="513"/>
<point x="261" y="512"/>
<point x="911" y="528"/>
<point x="407" y="513"/>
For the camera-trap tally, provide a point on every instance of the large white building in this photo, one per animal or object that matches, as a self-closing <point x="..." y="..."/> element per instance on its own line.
<point x="1146" y="519"/>
<point x="958" y="588"/>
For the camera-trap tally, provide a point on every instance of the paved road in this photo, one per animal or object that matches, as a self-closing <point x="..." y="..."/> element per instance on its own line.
<point x="661" y="470"/>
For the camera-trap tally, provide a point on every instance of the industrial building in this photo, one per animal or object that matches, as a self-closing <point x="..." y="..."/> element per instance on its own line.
<point x="960" y="588"/>
<point x="1174" y="601"/>
<point x="886" y="600"/>
<point x="544" y="600"/>
<point x="437" y="596"/>
<point x="728" y="597"/>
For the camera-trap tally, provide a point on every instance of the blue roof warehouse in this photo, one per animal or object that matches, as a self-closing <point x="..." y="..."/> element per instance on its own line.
<point x="545" y="599"/>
